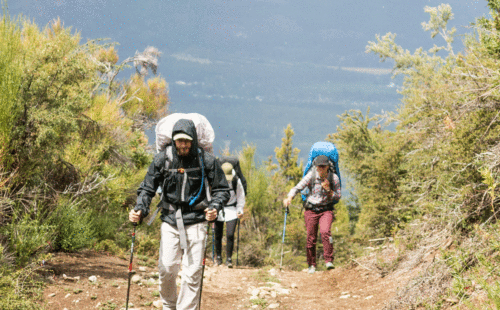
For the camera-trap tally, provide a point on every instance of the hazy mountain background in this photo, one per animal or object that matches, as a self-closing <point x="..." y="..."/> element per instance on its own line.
<point x="252" y="67"/>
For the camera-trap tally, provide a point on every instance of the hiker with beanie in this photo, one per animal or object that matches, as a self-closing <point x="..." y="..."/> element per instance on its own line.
<point x="318" y="208"/>
<point x="194" y="191"/>
<point x="233" y="210"/>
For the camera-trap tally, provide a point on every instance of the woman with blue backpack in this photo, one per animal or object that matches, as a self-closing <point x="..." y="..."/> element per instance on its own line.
<point x="322" y="181"/>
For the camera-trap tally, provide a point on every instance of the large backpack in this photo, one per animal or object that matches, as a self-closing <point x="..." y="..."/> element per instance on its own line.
<point x="329" y="150"/>
<point x="235" y="162"/>
<point x="204" y="131"/>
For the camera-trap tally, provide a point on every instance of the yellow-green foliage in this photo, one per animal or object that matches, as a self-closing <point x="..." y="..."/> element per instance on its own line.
<point x="146" y="98"/>
<point x="72" y="163"/>
<point x="11" y="79"/>
<point x="288" y="157"/>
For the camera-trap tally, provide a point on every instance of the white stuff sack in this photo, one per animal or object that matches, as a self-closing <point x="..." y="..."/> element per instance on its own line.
<point x="204" y="130"/>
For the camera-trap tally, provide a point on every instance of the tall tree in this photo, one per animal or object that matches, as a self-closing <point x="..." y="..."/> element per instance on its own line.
<point x="288" y="157"/>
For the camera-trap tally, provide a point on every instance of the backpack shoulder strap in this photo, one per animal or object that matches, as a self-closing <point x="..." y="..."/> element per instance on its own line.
<point x="234" y="182"/>
<point x="311" y="184"/>
<point x="330" y="178"/>
<point x="169" y="157"/>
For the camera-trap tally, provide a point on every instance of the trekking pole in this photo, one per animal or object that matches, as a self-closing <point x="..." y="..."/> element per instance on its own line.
<point x="203" y="264"/>
<point x="213" y="243"/>
<point x="284" y="231"/>
<point x="238" y="244"/>
<point x="130" y="265"/>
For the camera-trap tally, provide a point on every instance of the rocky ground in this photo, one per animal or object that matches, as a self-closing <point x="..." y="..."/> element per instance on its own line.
<point x="92" y="280"/>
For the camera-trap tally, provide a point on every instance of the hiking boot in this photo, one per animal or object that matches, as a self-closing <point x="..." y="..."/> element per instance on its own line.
<point x="329" y="266"/>
<point x="229" y="262"/>
<point x="311" y="269"/>
<point x="218" y="261"/>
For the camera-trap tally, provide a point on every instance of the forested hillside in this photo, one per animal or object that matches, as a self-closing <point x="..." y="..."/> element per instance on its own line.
<point x="73" y="151"/>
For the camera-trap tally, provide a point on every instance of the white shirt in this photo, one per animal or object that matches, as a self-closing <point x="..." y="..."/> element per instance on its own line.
<point x="238" y="197"/>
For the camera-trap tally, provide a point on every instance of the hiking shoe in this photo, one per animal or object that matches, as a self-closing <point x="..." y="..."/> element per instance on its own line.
<point x="229" y="262"/>
<point x="329" y="266"/>
<point x="218" y="261"/>
<point x="311" y="269"/>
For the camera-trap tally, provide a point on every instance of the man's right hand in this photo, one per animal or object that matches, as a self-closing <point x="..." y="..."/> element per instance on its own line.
<point x="134" y="216"/>
<point x="287" y="201"/>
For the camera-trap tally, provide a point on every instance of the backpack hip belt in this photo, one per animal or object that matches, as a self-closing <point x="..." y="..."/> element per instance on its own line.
<point x="318" y="208"/>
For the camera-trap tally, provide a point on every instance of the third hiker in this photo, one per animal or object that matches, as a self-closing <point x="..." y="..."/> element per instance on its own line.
<point x="232" y="212"/>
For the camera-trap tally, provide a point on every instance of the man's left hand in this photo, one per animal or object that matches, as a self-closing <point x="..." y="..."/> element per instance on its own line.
<point x="210" y="214"/>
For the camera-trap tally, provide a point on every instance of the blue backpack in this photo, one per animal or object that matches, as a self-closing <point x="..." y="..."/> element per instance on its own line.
<point x="329" y="150"/>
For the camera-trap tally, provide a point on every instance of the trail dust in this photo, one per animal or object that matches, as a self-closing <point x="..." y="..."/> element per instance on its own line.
<point x="90" y="280"/>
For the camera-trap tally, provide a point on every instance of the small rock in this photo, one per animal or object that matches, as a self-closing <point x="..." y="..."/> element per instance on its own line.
<point x="294" y="285"/>
<point x="452" y="300"/>
<point x="255" y="292"/>
<point x="67" y="295"/>
<point x="255" y="306"/>
<point x="143" y="269"/>
<point x="344" y="293"/>
<point x="74" y="279"/>
<point x="345" y="296"/>
<point x="273" y="306"/>
<point x="136" y="278"/>
<point x="369" y="297"/>
<point x="253" y="297"/>
<point x="272" y="272"/>
<point x="93" y="279"/>
<point x="98" y="305"/>
<point x="285" y="291"/>
<point x="158" y="304"/>
<point x="273" y="294"/>
<point x="244" y="278"/>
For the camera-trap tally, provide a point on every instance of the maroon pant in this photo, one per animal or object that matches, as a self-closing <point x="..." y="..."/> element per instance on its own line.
<point x="325" y="220"/>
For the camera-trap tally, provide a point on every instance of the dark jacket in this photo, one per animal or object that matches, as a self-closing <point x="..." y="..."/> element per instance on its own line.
<point x="171" y="182"/>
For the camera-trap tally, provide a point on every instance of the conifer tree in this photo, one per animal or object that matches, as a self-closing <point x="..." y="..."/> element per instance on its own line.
<point x="288" y="156"/>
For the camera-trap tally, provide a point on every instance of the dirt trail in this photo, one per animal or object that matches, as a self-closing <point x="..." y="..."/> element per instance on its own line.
<point x="224" y="288"/>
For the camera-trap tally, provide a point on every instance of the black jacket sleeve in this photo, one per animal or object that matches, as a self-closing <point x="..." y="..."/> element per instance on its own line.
<point x="148" y="187"/>
<point x="218" y="183"/>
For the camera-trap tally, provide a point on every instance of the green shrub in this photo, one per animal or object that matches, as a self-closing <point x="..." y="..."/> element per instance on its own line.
<point x="109" y="246"/>
<point x="75" y="227"/>
<point x="28" y="235"/>
<point x="19" y="289"/>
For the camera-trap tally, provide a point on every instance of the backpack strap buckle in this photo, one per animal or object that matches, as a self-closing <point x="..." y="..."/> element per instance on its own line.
<point x="181" y="170"/>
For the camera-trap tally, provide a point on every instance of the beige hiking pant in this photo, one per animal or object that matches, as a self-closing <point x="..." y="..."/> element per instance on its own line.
<point x="169" y="265"/>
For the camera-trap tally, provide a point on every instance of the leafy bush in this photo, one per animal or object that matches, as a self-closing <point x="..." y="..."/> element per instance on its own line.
<point x="28" y="235"/>
<point x="74" y="226"/>
<point x="19" y="289"/>
<point x="109" y="246"/>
